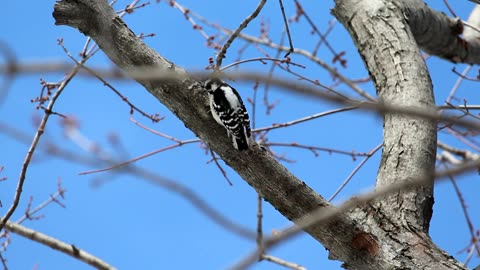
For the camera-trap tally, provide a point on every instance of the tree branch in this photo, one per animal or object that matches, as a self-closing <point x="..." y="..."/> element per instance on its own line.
<point x="440" y="35"/>
<point x="56" y="244"/>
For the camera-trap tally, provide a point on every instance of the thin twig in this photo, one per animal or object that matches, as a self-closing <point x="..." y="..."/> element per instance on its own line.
<point x="352" y="154"/>
<point x="131" y="7"/>
<point x="465" y="109"/>
<point x="3" y="261"/>
<point x="259" y="241"/>
<point x="42" y="205"/>
<point x="186" y="13"/>
<point x="469" y="257"/>
<point x="235" y="34"/>
<point x="33" y="146"/>
<point x="140" y="157"/>
<point x="224" y="173"/>
<point x="473" y="79"/>
<point x="30" y="212"/>
<point x="287" y="29"/>
<point x="360" y="165"/>
<point x="471" y="228"/>
<point x="261" y="59"/>
<point x="154" y="117"/>
<point x="266" y="102"/>
<point x="323" y="37"/>
<point x="450" y="8"/>
<point x="57" y="244"/>
<point x="475" y="28"/>
<point x="457" y="83"/>
<point x="305" y="119"/>
<point x="282" y="262"/>
<point x="168" y="137"/>
<point x="462" y="137"/>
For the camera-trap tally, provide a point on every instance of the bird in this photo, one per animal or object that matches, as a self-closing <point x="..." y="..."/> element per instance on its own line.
<point x="228" y="110"/>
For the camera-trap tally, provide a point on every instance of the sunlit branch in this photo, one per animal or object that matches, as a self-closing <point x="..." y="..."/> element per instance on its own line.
<point x="57" y="244"/>
<point x="465" y="154"/>
<point x="457" y="83"/>
<point x="282" y="262"/>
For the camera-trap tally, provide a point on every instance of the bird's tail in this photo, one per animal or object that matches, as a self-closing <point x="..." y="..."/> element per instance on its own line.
<point x="240" y="143"/>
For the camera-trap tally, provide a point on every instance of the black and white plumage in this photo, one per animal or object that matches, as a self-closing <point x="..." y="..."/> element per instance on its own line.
<point x="228" y="110"/>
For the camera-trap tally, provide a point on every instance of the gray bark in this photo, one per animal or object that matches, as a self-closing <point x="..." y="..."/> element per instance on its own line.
<point x="391" y="233"/>
<point x="438" y="34"/>
<point x="390" y="53"/>
<point x="387" y="45"/>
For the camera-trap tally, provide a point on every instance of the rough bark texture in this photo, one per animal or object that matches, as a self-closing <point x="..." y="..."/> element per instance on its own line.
<point x="391" y="234"/>
<point x="389" y="50"/>
<point x="438" y="34"/>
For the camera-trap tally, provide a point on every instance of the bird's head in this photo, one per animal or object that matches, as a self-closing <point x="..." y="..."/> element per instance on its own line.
<point x="212" y="84"/>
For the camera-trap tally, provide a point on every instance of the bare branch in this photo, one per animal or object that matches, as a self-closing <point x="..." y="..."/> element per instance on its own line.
<point x="121" y="164"/>
<point x="444" y="39"/>
<point x="370" y="154"/>
<point x="287" y="30"/>
<point x="57" y="244"/>
<point x="471" y="228"/>
<point x="282" y="262"/>
<point x="224" y="173"/>
<point x="33" y="146"/>
<point x="235" y="34"/>
<point x="465" y="154"/>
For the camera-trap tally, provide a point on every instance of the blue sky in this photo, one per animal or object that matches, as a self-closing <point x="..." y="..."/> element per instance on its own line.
<point x="133" y="224"/>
